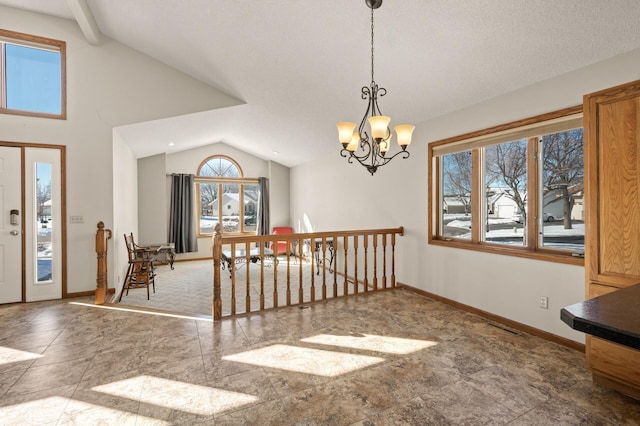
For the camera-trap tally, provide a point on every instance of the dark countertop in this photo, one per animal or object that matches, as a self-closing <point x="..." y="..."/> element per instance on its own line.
<point x="613" y="316"/>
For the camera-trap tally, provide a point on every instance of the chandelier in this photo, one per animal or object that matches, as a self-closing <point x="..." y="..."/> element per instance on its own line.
<point x="370" y="150"/>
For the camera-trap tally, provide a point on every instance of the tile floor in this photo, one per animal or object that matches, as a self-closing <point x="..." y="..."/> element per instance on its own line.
<point x="391" y="358"/>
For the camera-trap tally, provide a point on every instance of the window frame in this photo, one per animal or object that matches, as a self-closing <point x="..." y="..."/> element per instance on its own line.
<point x="473" y="142"/>
<point x="33" y="41"/>
<point x="220" y="181"/>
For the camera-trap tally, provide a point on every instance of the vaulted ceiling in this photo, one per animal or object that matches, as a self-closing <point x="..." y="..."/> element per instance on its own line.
<point x="298" y="65"/>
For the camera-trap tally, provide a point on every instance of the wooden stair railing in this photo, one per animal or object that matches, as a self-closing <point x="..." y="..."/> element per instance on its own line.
<point x="351" y="251"/>
<point x="102" y="248"/>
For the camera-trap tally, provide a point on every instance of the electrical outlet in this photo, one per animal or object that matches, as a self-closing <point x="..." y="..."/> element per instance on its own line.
<point x="544" y="302"/>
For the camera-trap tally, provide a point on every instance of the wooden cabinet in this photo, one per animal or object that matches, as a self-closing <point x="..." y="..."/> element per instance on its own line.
<point x="612" y="191"/>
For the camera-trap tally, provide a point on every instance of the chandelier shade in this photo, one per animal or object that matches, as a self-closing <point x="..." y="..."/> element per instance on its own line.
<point x="370" y="147"/>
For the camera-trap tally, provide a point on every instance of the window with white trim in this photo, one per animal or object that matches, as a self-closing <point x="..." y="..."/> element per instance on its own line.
<point x="512" y="189"/>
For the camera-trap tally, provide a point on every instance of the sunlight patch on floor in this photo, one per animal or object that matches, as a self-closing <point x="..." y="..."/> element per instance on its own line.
<point x="304" y="360"/>
<point x="38" y="411"/>
<point x="187" y="397"/>
<point x="143" y="311"/>
<point x="56" y="408"/>
<point x="9" y="355"/>
<point x="391" y="345"/>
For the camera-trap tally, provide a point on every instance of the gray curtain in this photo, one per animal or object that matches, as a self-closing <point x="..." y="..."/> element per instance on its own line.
<point x="182" y="220"/>
<point x="263" y="207"/>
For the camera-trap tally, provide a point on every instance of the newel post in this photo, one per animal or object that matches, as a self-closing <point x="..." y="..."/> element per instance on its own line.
<point x="217" y="254"/>
<point x="101" y="252"/>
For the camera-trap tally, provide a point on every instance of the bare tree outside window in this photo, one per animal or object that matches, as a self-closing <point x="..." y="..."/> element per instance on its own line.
<point x="506" y="163"/>
<point x="456" y="194"/>
<point x="457" y="171"/>
<point x="563" y="171"/>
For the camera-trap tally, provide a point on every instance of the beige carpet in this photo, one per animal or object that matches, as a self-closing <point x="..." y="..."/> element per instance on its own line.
<point x="189" y="287"/>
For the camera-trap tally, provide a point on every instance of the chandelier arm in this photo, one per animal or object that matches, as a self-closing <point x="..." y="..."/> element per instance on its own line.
<point x="384" y="159"/>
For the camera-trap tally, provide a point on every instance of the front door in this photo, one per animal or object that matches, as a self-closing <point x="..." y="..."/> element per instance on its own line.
<point x="10" y="225"/>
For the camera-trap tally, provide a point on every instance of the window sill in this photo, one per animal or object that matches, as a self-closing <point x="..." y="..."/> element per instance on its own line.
<point x="546" y="256"/>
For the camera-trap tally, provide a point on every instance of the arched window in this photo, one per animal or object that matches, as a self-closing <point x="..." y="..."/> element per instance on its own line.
<point x="219" y="166"/>
<point x="225" y="196"/>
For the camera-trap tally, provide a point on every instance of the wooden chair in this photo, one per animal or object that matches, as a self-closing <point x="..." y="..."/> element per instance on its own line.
<point x="140" y="272"/>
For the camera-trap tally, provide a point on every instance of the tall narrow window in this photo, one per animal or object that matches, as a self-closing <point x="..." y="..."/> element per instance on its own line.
<point x="456" y="195"/>
<point x="562" y="190"/>
<point x="32" y="75"/>
<point x="44" y="222"/>
<point x="505" y="171"/>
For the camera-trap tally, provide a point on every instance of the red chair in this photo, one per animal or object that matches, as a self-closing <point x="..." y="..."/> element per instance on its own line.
<point x="282" y="245"/>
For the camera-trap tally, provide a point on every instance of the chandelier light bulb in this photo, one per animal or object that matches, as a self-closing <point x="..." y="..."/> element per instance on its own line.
<point x="345" y="132"/>
<point x="355" y="141"/>
<point x="404" y="133"/>
<point x="379" y="126"/>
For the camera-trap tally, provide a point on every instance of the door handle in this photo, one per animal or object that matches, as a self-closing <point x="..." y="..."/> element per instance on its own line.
<point x="14" y="233"/>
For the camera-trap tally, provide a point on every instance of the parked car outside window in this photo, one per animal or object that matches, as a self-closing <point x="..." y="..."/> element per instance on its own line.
<point x="545" y="217"/>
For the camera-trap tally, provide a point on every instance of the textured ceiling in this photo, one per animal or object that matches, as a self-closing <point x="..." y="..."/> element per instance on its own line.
<point x="299" y="65"/>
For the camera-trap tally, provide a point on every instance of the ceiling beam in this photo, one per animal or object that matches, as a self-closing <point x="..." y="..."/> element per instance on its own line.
<point x="84" y="18"/>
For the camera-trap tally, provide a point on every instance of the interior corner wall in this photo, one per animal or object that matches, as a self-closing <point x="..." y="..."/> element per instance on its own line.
<point x="125" y="209"/>
<point x="108" y="86"/>
<point x="279" y="195"/>
<point x="398" y="194"/>
<point x="152" y="180"/>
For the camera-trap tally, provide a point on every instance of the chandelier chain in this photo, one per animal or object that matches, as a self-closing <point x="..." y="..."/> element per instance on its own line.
<point x="372" y="79"/>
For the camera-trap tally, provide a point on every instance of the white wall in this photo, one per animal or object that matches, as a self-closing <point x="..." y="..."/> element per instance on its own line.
<point x="152" y="199"/>
<point x="125" y="209"/>
<point x="107" y="86"/>
<point x="397" y="195"/>
<point x="188" y="162"/>
<point x="279" y="205"/>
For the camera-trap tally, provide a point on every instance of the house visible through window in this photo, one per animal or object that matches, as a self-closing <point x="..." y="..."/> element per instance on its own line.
<point x="514" y="189"/>
<point x="226" y="197"/>
<point x="32" y="75"/>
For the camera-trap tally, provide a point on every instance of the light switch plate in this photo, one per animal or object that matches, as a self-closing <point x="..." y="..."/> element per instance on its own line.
<point x="76" y="219"/>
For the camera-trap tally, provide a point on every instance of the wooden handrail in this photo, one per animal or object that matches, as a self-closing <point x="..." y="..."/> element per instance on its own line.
<point x="102" y="249"/>
<point x="353" y="244"/>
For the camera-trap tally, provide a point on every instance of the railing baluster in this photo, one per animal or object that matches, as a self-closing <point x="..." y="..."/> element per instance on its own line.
<point x="355" y="264"/>
<point x="233" y="278"/>
<point x="384" y="260"/>
<point x="393" y="260"/>
<point x="346" y="261"/>
<point x="366" y="270"/>
<point x="324" y="269"/>
<point x="300" y="280"/>
<point x="275" y="275"/>
<point x="261" y="276"/>
<point x="288" y="253"/>
<point x="375" y="262"/>
<point x="312" y="250"/>
<point x="247" y="247"/>
<point x="335" y="266"/>
<point x="217" y="285"/>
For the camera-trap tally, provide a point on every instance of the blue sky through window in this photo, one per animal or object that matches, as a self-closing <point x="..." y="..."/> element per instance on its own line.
<point x="33" y="79"/>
